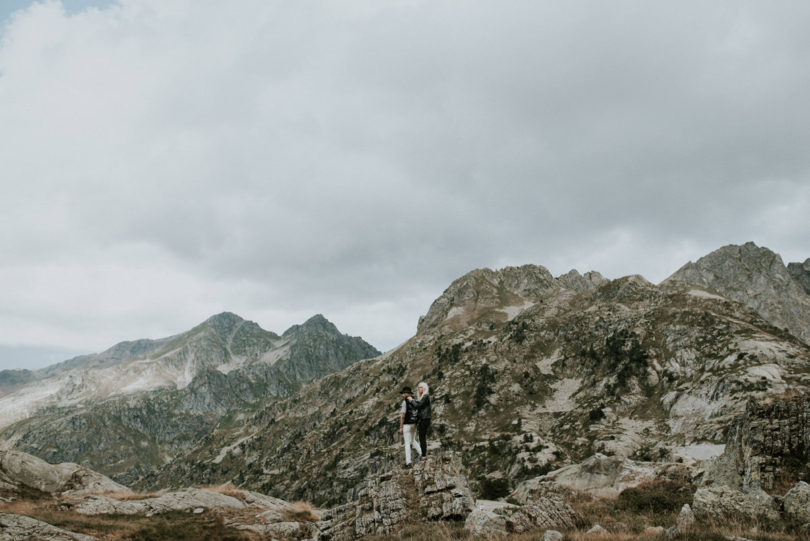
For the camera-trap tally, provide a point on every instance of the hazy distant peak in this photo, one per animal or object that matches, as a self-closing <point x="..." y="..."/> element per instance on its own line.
<point x="316" y="323"/>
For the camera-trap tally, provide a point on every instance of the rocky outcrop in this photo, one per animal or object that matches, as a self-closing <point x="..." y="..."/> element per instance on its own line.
<point x="768" y="446"/>
<point x="599" y="475"/>
<point x="21" y="469"/>
<point x="758" y="278"/>
<point x="434" y="489"/>
<point x="544" y="513"/>
<point x="724" y="502"/>
<point x="797" y="503"/>
<point x="16" y="527"/>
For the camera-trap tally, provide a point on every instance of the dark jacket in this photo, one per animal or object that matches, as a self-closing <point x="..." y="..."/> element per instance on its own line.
<point x="423" y="406"/>
<point x="411" y="413"/>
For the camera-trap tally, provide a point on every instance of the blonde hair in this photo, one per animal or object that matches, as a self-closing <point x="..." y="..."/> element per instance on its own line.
<point x="425" y="385"/>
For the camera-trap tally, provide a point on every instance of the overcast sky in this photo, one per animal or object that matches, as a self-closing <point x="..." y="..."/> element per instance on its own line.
<point x="165" y="160"/>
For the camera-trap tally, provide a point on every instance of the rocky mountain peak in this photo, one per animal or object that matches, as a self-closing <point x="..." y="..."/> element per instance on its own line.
<point x="317" y="323"/>
<point x="581" y="282"/>
<point x="756" y="277"/>
<point x="484" y="290"/>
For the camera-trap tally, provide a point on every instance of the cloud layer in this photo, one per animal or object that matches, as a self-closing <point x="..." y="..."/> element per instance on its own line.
<point x="162" y="161"/>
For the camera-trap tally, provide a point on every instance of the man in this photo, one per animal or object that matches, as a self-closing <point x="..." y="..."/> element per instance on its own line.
<point x="407" y="422"/>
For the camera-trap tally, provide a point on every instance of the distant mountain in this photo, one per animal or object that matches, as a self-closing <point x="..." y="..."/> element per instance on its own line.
<point x="757" y="278"/>
<point x="134" y="406"/>
<point x="528" y="373"/>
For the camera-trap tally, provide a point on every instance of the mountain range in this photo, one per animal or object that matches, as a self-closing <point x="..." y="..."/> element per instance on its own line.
<point x="132" y="407"/>
<point x="529" y="373"/>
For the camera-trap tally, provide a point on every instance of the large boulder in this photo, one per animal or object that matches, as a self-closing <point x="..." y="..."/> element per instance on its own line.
<point x="724" y="502"/>
<point x="797" y="502"/>
<point x="17" y="468"/>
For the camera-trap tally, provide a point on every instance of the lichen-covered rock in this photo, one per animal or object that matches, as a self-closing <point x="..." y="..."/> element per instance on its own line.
<point x="720" y="502"/>
<point x="797" y="502"/>
<point x="486" y="524"/>
<point x="552" y="535"/>
<point x="544" y="512"/>
<point x="17" y="527"/>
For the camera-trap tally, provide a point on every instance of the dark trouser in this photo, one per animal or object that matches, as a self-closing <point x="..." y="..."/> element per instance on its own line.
<point x="422" y="426"/>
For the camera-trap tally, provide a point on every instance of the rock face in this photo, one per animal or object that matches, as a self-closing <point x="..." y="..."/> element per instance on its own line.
<point x="801" y="273"/>
<point x="23" y="470"/>
<point x="756" y="277"/>
<point x="16" y="527"/>
<point x="170" y="392"/>
<point x="433" y="490"/>
<point x="528" y="373"/>
<point x="768" y="446"/>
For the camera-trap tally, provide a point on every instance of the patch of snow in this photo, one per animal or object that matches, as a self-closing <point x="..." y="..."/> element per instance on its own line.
<point x="563" y="391"/>
<point x="546" y="365"/>
<point x="453" y="312"/>
<point x="274" y="355"/>
<point x="771" y="372"/>
<point x="236" y="362"/>
<point x="513" y="311"/>
<point x="706" y="295"/>
<point x="762" y="347"/>
<point x="227" y="449"/>
<point x="701" y="451"/>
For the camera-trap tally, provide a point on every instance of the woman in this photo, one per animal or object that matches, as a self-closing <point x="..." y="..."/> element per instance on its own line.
<point x="423" y="414"/>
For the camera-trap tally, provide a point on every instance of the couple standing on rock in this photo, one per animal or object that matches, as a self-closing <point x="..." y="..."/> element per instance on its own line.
<point x="415" y="413"/>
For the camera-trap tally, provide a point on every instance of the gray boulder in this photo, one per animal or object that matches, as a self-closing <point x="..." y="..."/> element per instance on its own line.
<point x="597" y="530"/>
<point x="17" y="468"/>
<point x="486" y="524"/>
<point x="551" y="535"/>
<point x="721" y="502"/>
<point x="797" y="502"/>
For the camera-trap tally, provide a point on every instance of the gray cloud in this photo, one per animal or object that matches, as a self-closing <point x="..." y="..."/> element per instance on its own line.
<point x="160" y="163"/>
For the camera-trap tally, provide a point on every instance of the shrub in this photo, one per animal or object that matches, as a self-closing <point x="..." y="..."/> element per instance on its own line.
<point x="659" y="496"/>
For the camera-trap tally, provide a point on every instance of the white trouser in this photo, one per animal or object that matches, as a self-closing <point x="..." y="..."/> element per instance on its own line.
<point x="410" y="437"/>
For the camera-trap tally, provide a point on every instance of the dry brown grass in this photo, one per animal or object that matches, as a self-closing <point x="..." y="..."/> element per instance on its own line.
<point x="228" y="490"/>
<point x="300" y="512"/>
<point x="129" y="495"/>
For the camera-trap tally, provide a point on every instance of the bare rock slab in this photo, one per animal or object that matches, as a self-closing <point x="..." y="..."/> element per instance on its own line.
<point x="16" y="527"/>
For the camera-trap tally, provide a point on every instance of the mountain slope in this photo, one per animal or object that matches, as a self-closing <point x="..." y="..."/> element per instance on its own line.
<point x="125" y="416"/>
<point x="527" y="372"/>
